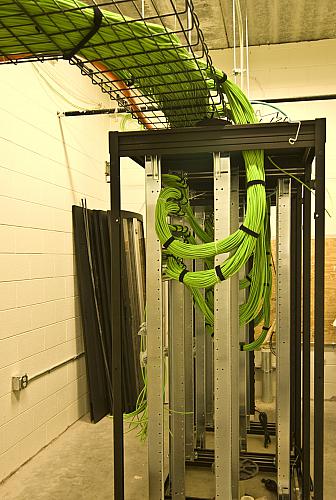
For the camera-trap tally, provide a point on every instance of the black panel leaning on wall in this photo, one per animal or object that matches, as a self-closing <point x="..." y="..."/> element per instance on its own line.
<point x="93" y="264"/>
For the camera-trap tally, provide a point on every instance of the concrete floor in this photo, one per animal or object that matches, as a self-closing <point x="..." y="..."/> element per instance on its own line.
<point x="78" y="466"/>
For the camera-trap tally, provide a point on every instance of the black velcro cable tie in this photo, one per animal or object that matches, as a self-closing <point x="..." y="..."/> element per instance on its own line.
<point x="255" y="182"/>
<point x="219" y="273"/>
<point x="266" y="328"/>
<point x="248" y="278"/>
<point x="268" y="253"/>
<point x="182" y="275"/>
<point x="223" y="78"/>
<point x="241" y="345"/>
<point x="180" y="198"/>
<point x="249" y="231"/>
<point x="97" y="20"/>
<point x="168" y="242"/>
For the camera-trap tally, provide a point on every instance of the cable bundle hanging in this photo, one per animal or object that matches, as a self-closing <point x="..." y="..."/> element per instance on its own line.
<point x="138" y="62"/>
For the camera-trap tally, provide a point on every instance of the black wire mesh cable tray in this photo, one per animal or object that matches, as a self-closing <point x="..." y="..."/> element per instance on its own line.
<point x="152" y="60"/>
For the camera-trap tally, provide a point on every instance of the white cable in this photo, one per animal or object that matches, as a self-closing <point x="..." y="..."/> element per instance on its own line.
<point x="234" y="40"/>
<point x="269" y="333"/>
<point x="60" y="88"/>
<point x="247" y="58"/>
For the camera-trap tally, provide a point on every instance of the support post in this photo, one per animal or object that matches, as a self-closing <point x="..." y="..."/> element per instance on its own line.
<point x="154" y="335"/>
<point x="116" y="315"/>
<point x="306" y="337"/>
<point x="243" y="373"/>
<point x="200" y="355"/>
<point x="234" y="337"/>
<point x="209" y="406"/>
<point x="176" y="390"/>
<point x="319" y="216"/>
<point x="293" y="312"/>
<point x="189" y="370"/>
<point x="283" y="338"/>
<point x="225" y="441"/>
<point x="298" y="336"/>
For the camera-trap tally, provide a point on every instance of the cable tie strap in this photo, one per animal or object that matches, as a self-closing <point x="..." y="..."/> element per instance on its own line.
<point x="168" y="242"/>
<point x="180" y="197"/>
<point x="241" y="344"/>
<point x="249" y="231"/>
<point x="97" y="20"/>
<point x="266" y="328"/>
<point x="248" y="278"/>
<point x="182" y="275"/>
<point x="219" y="273"/>
<point x="255" y="182"/>
<point x="268" y="253"/>
<point x="223" y="78"/>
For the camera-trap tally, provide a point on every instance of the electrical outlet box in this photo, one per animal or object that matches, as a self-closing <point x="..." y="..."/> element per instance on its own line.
<point x="19" y="383"/>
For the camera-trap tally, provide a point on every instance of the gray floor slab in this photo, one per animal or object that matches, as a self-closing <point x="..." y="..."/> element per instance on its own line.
<point x="78" y="466"/>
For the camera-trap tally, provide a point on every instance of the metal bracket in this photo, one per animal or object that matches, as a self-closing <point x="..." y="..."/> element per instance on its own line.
<point x="292" y="140"/>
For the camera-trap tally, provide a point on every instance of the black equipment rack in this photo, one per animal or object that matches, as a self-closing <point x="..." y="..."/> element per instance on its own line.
<point x="296" y="158"/>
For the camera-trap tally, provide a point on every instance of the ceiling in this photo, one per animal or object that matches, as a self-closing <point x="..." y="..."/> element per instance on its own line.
<point x="269" y="21"/>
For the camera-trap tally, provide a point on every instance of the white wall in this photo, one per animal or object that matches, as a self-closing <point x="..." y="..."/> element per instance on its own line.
<point x="46" y="166"/>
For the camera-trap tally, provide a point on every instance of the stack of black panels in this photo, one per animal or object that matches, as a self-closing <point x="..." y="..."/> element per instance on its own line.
<point x="93" y="262"/>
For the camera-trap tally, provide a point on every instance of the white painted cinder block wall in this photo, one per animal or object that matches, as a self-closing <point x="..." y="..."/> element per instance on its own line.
<point x="46" y="166"/>
<point x="294" y="70"/>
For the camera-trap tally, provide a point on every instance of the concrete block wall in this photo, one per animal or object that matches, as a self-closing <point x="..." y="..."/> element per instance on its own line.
<point x="47" y="164"/>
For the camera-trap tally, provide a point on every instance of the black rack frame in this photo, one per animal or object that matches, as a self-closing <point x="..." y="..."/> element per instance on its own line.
<point x="274" y="140"/>
<point x="20" y="41"/>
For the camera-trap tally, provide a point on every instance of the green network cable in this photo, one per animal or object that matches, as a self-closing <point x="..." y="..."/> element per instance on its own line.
<point x="258" y="279"/>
